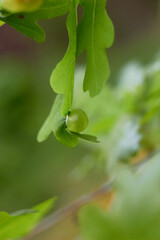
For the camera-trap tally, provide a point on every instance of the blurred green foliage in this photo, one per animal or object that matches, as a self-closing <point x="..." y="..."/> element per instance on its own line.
<point x="134" y="211"/>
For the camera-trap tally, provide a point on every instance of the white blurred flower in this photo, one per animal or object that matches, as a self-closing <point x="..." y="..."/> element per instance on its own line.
<point x="130" y="77"/>
<point x="123" y="141"/>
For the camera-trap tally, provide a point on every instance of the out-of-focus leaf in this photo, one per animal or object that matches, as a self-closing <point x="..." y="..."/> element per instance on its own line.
<point x="95" y="33"/>
<point x="93" y="224"/>
<point x="149" y="115"/>
<point x="21" y="223"/>
<point x="62" y="78"/>
<point x="27" y="22"/>
<point x="1" y="23"/>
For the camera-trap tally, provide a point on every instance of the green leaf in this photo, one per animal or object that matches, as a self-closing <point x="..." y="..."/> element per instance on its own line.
<point x="21" y="223"/>
<point x="56" y="123"/>
<point x="95" y="33"/>
<point x="62" y="78"/>
<point x="85" y="137"/>
<point x="52" y="120"/>
<point x="27" y="22"/>
<point x="64" y="137"/>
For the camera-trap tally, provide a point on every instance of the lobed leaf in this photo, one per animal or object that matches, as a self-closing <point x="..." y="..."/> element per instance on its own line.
<point x="95" y="33"/>
<point x="62" y="78"/>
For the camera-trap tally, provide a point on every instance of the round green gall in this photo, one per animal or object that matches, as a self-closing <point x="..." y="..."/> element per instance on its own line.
<point x="16" y="6"/>
<point x="76" y="120"/>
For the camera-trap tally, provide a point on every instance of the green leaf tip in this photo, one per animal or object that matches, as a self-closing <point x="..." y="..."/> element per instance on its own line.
<point x="87" y="137"/>
<point x="95" y="33"/>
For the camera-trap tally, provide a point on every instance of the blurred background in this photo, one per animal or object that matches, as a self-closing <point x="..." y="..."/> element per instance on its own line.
<point x="120" y="116"/>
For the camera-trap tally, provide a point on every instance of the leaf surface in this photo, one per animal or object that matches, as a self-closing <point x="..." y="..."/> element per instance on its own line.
<point x="62" y="78"/>
<point x="95" y="33"/>
<point x="52" y="120"/>
<point x="64" y="137"/>
<point x="56" y="123"/>
<point x="87" y="137"/>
